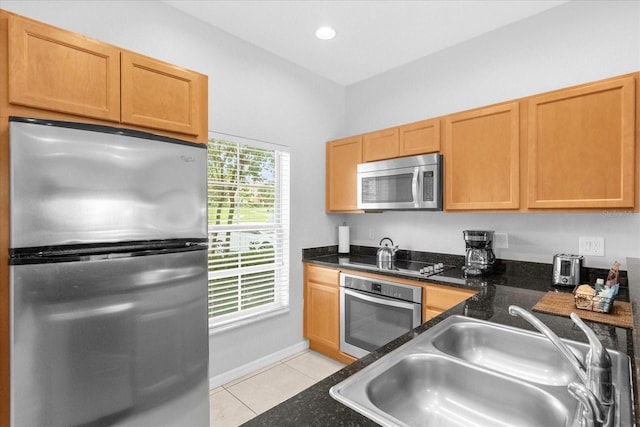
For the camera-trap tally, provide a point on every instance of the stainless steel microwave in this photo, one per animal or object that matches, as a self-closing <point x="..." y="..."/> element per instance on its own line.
<point x="404" y="183"/>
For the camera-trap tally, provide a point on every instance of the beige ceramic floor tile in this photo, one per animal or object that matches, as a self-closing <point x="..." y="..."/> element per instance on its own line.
<point x="314" y="365"/>
<point x="269" y="388"/>
<point x="227" y="411"/>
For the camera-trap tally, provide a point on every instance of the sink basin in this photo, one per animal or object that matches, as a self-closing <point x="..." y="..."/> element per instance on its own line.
<point x="466" y="371"/>
<point x="431" y="390"/>
<point x="525" y="355"/>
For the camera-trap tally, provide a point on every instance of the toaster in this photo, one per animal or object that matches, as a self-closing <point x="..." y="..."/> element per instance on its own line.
<point x="566" y="269"/>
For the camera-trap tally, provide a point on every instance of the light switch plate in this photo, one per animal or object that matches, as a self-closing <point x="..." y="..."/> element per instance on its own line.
<point x="591" y="246"/>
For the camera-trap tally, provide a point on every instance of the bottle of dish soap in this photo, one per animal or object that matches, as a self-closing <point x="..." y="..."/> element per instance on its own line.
<point x="613" y="276"/>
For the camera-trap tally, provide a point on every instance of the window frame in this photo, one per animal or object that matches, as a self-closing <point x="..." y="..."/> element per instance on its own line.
<point x="280" y="225"/>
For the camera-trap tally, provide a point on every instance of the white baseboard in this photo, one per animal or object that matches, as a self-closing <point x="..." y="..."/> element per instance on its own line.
<point x="263" y="362"/>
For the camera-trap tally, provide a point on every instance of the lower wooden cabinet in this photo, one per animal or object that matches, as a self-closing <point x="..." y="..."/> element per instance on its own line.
<point x="438" y="299"/>
<point x="322" y="311"/>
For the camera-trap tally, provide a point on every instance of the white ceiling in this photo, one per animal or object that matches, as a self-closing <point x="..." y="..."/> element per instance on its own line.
<point x="372" y="36"/>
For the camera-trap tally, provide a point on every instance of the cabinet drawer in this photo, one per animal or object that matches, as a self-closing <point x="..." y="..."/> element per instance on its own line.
<point x="327" y="276"/>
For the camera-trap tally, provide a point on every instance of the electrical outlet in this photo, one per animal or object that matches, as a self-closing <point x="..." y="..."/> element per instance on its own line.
<point x="500" y="240"/>
<point x="591" y="246"/>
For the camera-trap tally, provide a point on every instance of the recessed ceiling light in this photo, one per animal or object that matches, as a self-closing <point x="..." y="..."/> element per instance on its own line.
<point x="325" y="33"/>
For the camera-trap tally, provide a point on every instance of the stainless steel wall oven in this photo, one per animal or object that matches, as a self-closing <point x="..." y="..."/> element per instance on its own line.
<point x="374" y="312"/>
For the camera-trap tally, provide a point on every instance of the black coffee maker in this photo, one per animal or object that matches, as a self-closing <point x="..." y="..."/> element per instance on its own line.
<point x="479" y="259"/>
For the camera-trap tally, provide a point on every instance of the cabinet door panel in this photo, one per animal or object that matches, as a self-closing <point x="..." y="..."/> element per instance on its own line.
<point x="380" y="145"/>
<point x="57" y="70"/>
<point x="159" y="95"/>
<point x="420" y="138"/>
<point x="343" y="157"/>
<point x="581" y="147"/>
<point x="324" y="315"/>
<point x="322" y="307"/>
<point x="481" y="154"/>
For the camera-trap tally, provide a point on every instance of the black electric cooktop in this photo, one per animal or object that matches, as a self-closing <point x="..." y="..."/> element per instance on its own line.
<point x="436" y="271"/>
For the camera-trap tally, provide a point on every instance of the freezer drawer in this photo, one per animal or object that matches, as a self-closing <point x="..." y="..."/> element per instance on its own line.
<point x="110" y="342"/>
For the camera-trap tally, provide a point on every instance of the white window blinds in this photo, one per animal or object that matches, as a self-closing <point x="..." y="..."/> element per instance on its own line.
<point x="248" y="211"/>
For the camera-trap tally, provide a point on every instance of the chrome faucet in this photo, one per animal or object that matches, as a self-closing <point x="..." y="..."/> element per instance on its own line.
<point x="595" y="394"/>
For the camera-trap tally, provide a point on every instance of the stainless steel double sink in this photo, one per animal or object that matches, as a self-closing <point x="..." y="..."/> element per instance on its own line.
<point x="470" y="372"/>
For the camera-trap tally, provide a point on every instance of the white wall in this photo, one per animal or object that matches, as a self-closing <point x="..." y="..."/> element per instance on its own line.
<point x="252" y="94"/>
<point x="577" y="42"/>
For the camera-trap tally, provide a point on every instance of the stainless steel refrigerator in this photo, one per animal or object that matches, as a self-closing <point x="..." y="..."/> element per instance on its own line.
<point x="108" y="268"/>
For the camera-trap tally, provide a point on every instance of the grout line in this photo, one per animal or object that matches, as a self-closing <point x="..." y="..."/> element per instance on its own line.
<point x="306" y="375"/>
<point x="251" y="375"/>
<point x="295" y="356"/>
<point x="255" y="414"/>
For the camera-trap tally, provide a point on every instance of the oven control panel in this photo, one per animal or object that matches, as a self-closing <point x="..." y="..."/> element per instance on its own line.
<point x="382" y="287"/>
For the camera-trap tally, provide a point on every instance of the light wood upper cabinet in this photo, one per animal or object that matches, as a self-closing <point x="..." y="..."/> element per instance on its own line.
<point x="58" y="70"/>
<point x="481" y="153"/>
<point x="380" y="145"/>
<point x="567" y="150"/>
<point x="343" y="156"/>
<point x="581" y="146"/>
<point x="420" y="137"/>
<point x="160" y="95"/>
<point x="63" y="74"/>
<point x="407" y="140"/>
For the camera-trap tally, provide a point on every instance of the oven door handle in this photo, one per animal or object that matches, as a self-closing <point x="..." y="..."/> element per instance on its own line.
<point x="380" y="299"/>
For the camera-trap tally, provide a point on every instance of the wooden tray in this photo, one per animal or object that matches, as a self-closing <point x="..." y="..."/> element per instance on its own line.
<point x="562" y="304"/>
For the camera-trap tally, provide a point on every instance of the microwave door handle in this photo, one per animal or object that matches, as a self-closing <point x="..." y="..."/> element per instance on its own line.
<point x="416" y="187"/>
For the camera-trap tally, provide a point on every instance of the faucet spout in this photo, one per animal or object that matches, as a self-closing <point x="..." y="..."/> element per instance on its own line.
<point x="573" y="360"/>
<point x="595" y="394"/>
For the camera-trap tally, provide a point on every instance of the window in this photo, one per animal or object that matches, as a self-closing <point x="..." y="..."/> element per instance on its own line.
<point x="248" y="211"/>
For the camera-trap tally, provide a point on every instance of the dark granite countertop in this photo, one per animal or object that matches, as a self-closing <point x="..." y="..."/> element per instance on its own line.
<point x="315" y="407"/>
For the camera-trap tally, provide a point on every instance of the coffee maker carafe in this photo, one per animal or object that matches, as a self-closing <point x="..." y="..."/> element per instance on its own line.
<point x="479" y="258"/>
